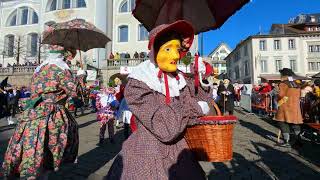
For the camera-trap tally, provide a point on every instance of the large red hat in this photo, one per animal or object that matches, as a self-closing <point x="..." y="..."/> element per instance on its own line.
<point x="181" y="27"/>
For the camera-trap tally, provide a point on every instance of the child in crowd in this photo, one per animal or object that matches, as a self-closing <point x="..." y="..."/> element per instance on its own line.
<point x="106" y="104"/>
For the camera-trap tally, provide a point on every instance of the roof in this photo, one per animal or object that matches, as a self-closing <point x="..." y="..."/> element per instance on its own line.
<point x="217" y="48"/>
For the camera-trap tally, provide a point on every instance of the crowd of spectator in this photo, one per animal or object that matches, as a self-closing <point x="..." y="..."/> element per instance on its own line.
<point x="126" y="55"/>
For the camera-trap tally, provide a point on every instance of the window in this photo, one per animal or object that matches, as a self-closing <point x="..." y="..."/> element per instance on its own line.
<point x="246" y="68"/>
<point x="310" y="48"/>
<point x="222" y="57"/>
<point x="123" y="34"/>
<point x="124" y="7"/>
<point x="9" y="45"/>
<point x="292" y="44"/>
<point x="223" y="51"/>
<point x="237" y="72"/>
<point x="66" y="4"/>
<point x="33" y="44"/>
<point x="263" y="66"/>
<point x="262" y="45"/>
<point x="293" y="65"/>
<point x="314" y="66"/>
<point x="81" y="3"/>
<point x="278" y="65"/>
<point x="53" y="5"/>
<point x="35" y="18"/>
<point x="143" y="33"/>
<point x="132" y="4"/>
<point x="246" y="50"/>
<point x="24" y="18"/>
<point x="277" y="45"/>
<point x="13" y="20"/>
<point x="314" y="48"/>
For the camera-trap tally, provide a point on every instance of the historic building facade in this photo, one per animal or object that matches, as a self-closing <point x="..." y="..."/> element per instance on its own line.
<point x="260" y="57"/>
<point x="23" y="21"/>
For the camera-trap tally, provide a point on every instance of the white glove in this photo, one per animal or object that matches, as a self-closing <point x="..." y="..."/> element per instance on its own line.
<point x="201" y="66"/>
<point x="204" y="107"/>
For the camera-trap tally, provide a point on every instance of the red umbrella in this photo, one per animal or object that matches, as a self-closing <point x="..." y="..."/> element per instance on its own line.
<point x="204" y="15"/>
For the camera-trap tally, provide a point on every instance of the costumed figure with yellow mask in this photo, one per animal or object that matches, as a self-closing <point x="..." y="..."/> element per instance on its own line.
<point x="164" y="102"/>
<point x="46" y="134"/>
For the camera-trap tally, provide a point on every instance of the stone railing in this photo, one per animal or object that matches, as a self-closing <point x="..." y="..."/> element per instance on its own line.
<point x="19" y="70"/>
<point x="117" y="63"/>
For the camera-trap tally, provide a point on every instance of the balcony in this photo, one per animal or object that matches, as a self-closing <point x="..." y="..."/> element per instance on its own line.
<point x="113" y="64"/>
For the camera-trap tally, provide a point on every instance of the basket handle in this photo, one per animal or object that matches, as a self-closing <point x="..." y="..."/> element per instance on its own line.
<point x="216" y="107"/>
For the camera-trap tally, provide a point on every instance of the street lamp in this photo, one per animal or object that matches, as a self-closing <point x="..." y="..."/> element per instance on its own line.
<point x="3" y="54"/>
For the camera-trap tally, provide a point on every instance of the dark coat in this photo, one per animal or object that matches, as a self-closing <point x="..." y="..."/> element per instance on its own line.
<point x="229" y="104"/>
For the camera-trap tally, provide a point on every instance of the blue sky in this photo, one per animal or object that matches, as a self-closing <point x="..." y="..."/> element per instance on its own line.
<point x="257" y="13"/>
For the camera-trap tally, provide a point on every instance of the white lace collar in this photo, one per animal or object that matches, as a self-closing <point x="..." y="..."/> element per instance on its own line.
<point x="56" y="59"/>
<point x="147" y="72"/>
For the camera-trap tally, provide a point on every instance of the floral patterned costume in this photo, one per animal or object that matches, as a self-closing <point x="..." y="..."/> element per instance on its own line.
<point x="46" y="135"/>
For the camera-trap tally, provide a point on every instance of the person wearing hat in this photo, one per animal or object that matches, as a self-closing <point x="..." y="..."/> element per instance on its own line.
<point x="289" y="111"/>
<point x="46" y="135"/>
<point x="163" y="102"/>
<point x="106" y="104"/>
<point x="227" y="96"/>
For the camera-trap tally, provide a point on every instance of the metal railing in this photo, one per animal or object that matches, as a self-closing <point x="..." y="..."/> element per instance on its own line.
<point x="19" y="70"/>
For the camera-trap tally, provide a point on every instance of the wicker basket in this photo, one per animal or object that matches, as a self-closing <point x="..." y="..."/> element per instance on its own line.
<point x="211" y="139"/>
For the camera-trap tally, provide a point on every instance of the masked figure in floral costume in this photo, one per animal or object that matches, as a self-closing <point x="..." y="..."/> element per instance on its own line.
<point x="46" y="134"/>
<point x="164" y="102"/>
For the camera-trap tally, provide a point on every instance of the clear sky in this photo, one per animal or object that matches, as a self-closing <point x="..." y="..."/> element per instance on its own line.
<point x="257" y="13"/>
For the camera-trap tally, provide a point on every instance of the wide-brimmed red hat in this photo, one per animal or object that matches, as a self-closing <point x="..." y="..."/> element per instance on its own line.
<point x="181" y="27"/>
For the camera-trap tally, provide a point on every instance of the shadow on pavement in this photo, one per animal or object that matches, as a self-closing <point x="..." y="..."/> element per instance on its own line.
<point x="6" y="128"/>
<point x="91" y="161"/>
<point x="259" y="130"/>
<point x="87" y="123"/>
<point x="238" y="168"/>
<point x="284" y="165"/>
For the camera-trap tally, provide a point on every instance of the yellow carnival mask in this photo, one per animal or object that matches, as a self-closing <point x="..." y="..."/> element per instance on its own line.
<point x="168" y="56"/>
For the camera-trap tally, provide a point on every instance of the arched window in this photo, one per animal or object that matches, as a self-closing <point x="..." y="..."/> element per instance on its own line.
<point x="9" y="45"/>
<point x="123" y="33"/>
<point x="81" y="3"/>
<point x="27" y="15"/>
<point x="13" y="19"/>
<point x="35" y="18"/>
<point x="124" y="7"/>
<point x="33" y="44"/>
<point x="24" y="16"/>
<point x="66" y="4"/>
<point x="53" y="5"/>
<point x="132" y="4"/>
<point x="143" y="33"/>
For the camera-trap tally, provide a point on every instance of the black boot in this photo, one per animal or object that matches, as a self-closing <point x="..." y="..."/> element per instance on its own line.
<point x="100" y="142"/>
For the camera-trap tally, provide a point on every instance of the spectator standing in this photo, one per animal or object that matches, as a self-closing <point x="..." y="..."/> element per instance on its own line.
<point x="136" y="55"/>
<point x="289" y="112"/>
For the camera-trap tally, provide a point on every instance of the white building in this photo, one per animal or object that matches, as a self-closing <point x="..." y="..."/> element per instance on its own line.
<point x="23" y="21"/>
<point x="260" y="57"/>
<point x="129" y="35"/>
<point x="218" y="56"/>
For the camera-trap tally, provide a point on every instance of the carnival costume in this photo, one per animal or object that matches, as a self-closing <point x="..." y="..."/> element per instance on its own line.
<point x="164" y="102"/>
<point x="46" y="134"/>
